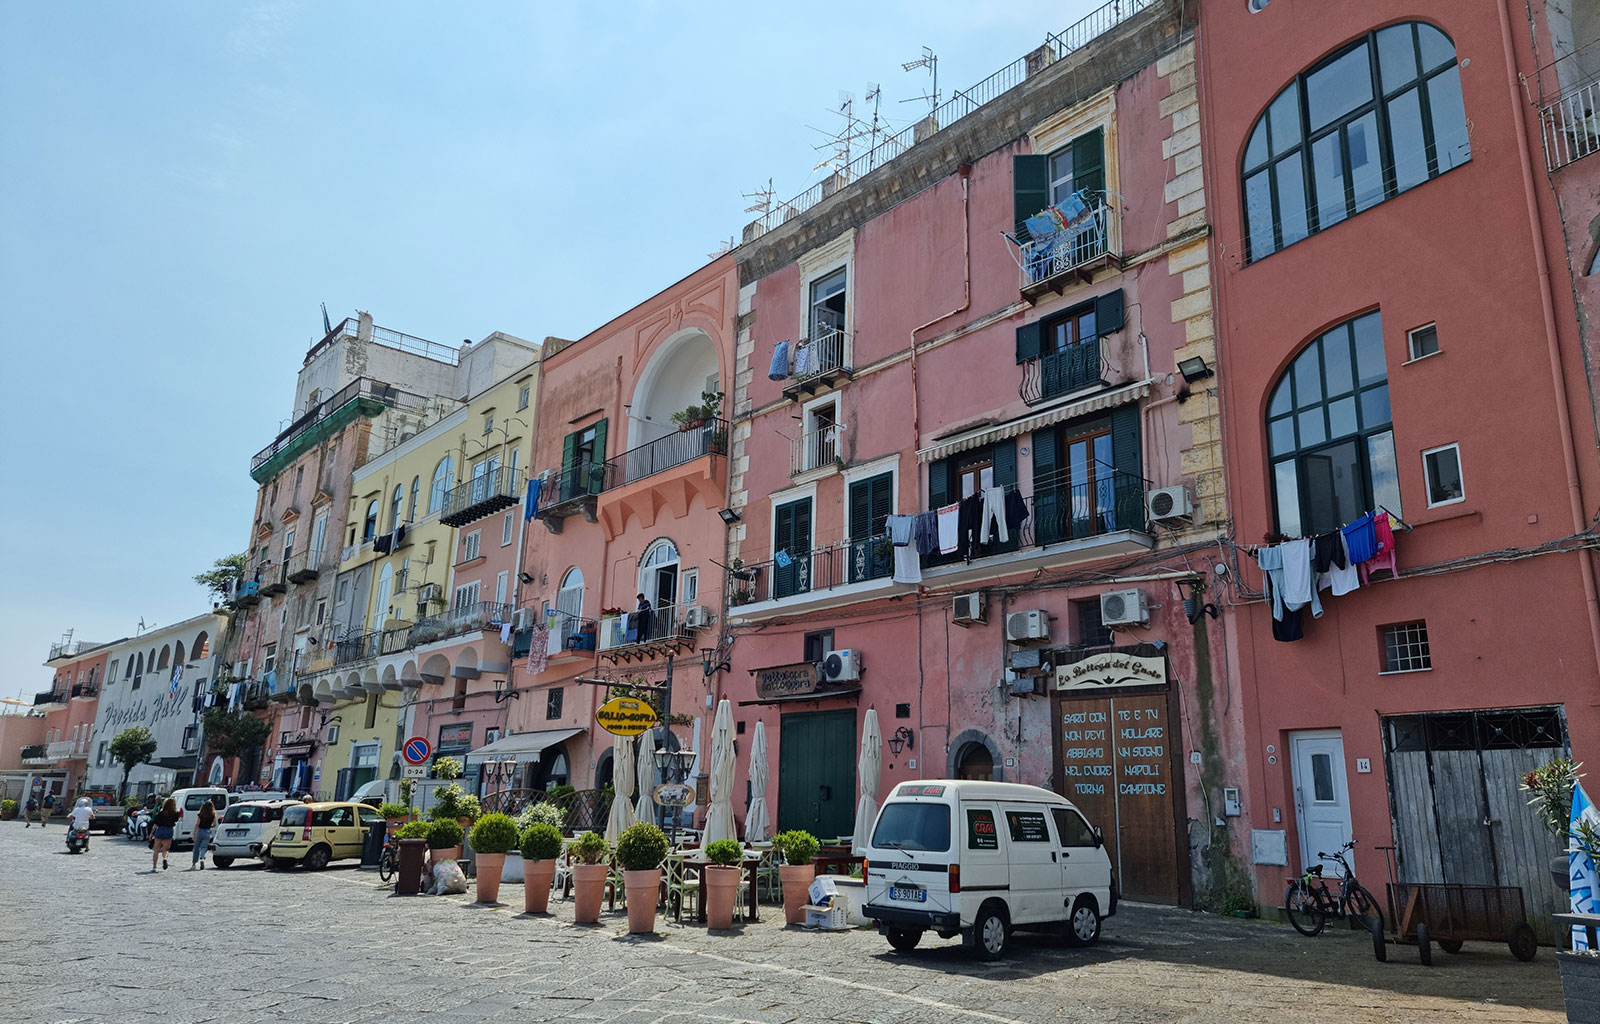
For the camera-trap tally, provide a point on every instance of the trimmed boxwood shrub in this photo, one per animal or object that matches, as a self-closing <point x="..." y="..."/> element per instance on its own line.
<point x="798" y="846"/>
<point x="494" y="833"/>
<point x="590" y="847"/>
<point x="726" y="852"/>
<point x="443" y="834"/>
<point x="394" y="810"/>
<point x="8" y="809"/>
<point x="542" y="813"/>
<point x="641" y="847"/>
<point x="541" y="842"/>
<point x="415" y="830"/>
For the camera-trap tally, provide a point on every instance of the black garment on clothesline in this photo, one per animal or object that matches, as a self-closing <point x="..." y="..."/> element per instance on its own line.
<point x="1288" y="629"/>
<point x="1327" y="551"/>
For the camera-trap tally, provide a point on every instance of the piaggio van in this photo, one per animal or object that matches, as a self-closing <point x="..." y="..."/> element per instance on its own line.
<point x="980" y="859"/>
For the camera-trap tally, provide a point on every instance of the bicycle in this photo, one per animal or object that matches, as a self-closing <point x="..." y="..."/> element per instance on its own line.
<point x="1310" y="904"/>
<point x="389" y="860"/>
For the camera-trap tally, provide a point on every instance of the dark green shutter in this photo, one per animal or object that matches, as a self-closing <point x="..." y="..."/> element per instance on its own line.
<point x="1089" y="163"/>
<point x="1048" y="495"/>
<point x="1045" y="468"/>
<point x="597" y="472"/>
<point x="938" y="484"/>
<point x="1005" y="464"/>
<point x="1128" y="460"/>
<point x="882" y="499"/>
<point x="783" y="528"/>
<point x="860" y="509"/>
<point x="1030" y="189"/>
<point x="600" y="437"/>
<point x="1108" y="312"/>
<point x="1029" y="339"/>
<point x="569" y="453"/>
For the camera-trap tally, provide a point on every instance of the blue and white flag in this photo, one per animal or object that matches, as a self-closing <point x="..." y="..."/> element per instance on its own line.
<point x="177" y="677"/>
<point x="1580" y="866"/>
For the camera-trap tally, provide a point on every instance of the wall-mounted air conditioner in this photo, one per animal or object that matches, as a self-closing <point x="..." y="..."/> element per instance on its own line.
<point x="1124" y="608"/>
<point x="1167" y="503"/>
<point x="966" y="609"/>
<point x="842" y="666"/>
<point x="1022" y="627"/>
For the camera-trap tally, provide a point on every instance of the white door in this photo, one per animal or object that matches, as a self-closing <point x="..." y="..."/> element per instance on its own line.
<point x="1321" y="795"/>
<point x="1084" y="865"/>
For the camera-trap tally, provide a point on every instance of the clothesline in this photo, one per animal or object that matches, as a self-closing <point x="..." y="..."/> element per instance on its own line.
<point x="1341" y="560"/>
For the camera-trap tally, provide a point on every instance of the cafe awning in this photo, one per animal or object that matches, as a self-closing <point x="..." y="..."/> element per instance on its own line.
<point x="519" y="746"/>
<point x="848" y="691"/>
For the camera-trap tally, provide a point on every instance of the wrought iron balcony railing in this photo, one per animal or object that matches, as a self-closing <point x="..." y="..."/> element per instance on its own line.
<point x="483" y="495"/>
<point x="792" y="573"/>
<point x="1047" y="260"/>
<point x="1571" y="125"/>
<point x="1061" y="373"/>
<point x="49" y="697"/>
<point x="710" y="438"/>
<point x="814" y="449"/>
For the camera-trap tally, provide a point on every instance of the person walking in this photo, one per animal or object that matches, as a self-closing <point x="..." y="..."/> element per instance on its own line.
<point x="165" y="821"/>
<point x="205" y="822"/>
<point x="45" y="809"/>
<point x="29" y="810"/>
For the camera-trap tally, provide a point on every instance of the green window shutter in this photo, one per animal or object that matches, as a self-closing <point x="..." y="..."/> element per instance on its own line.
<point x="800" y="539"/>
<point x="1030" y="189"/>
<point x="783" y="528"/>
<point x="938" y="484"/>
<point x="1005" y="464"/>
<point x="1029" y="339"/>
<point x="882" y="502"/>
<point x="860" y="509"/>
<point x="1045" y="467"/>
<point x="1108" y="315"/>
<point x="600" y="440"/>
<point x="1089" y="162"/>
<point x="569" y="453"/>
<point x="1125" y="455"/>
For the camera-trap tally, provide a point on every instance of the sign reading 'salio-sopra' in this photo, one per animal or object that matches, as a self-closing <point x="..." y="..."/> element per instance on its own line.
<point x="625" y="716"/>
<point x="786" y="680"/>
<point x="1111" y="671"/>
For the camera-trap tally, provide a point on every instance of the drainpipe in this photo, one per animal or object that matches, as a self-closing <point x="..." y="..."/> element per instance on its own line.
<point x="965" y="170"/>
<point x="1552" y="343"/>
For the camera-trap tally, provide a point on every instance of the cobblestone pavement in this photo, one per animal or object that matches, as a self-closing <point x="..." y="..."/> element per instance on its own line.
<point x="91" y="939"/>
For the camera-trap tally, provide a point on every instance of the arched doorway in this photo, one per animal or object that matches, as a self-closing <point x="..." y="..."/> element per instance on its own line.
<point x="975" y="763"/>
<point x="658" y="582"/>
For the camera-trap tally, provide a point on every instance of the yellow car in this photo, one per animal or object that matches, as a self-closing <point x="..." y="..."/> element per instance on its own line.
<point x="314" y="834"/>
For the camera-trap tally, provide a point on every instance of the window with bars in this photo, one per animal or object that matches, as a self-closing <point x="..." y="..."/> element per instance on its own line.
<point x="1092" y="630"/>
<point x="1405" y="647"/>
<point x="552" y="703"/>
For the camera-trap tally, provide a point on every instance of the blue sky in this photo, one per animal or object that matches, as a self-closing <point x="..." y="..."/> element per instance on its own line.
<point x="184" y="183"/>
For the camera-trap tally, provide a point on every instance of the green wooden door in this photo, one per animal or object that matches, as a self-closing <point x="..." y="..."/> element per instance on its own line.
<point x="817" y="772"/>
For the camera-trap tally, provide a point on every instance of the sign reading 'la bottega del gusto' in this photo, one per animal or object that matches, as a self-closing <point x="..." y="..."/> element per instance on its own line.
<point x="1111" y="671"/>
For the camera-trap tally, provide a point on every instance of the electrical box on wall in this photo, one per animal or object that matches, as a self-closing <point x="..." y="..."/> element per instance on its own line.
<point x="1230" y="801"/>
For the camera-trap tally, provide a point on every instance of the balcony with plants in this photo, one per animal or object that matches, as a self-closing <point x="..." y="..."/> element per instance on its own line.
<point x="822" y="577"/>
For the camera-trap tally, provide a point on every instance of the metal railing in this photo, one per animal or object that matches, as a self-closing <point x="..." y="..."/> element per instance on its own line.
<point x="465" y="618"/>
<point x="824" y="353"/>
<point x="710" y="438"/>
<point x="33" y="752"/>
<point x="71" y="649"/>
<point x="85" y="690"/>
<point x="570" y="632"/>
<point x="814" y="449"/>
<point x="1571" y="125"/>
<point x="58" y="749"/>
<point x="1076" y="245"/>
<point x="963" y="103"/>
<point x="571" y="484"/>
<point x="820" y="569"/>
<point x="350" y="327"/>
<point x="1061" y="373"/>
<point x="482" y="495"/>
<point x="304" y="566"/>
<point x="49" y="697"/>
<point x="360" y="388"/>
<point x="630" y="629"/>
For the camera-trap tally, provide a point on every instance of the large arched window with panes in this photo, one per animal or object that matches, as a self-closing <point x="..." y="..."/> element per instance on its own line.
<point x="1379" y="116"/>
<point x="1330" y="435"/>
<point x="443" y="478"/>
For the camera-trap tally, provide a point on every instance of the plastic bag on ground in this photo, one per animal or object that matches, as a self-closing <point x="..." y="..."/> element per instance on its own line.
<point x="448" y="879"/>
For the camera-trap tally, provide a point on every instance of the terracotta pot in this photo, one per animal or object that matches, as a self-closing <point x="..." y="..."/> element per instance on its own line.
<point x="644" y="889"/>
<point x="489" y="867"/>
<point x="536" y="878"/>
<point x="796" y="879"/>
<point x="722" y="885"/>
<point x="588" y="888"/>
<point x="444" y="853"/>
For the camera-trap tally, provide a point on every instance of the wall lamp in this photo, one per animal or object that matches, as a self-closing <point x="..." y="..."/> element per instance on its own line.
<point x="729" y="516"/>
<point x="503" y="692"/>
<point x="903" y="737"/>
<point x="1194" y="368"/>
<point x="709" y="664"/>
<point x="1193" y="609"/>
<point x="525" y="577"/>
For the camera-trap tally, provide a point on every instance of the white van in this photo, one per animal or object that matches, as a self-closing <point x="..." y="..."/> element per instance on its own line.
<point x="983" y="858"/>
<point x="189" y="802"/>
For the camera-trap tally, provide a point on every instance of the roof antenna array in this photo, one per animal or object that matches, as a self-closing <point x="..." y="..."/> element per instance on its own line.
<point x="929" y="60"/>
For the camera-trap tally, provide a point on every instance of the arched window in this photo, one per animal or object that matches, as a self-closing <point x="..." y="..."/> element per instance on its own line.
<point x="139" y="671"/>
<point x="1376" y="118"/>
<point x="370" y="528"/>
<point x="166" y="657"/>
<point x="658" y="574"/>
<point x="177" y="654"/>
<point x="443" y="477"/>
<point x="1329" y="432"/>
<point x="201" y="648"/>
<point x="416" y="489"/>
<point x="394" y="506"/>
<point x="569" y="601"/>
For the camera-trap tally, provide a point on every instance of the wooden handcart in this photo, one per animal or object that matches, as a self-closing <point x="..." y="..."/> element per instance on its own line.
<point x="1449" y="914"/>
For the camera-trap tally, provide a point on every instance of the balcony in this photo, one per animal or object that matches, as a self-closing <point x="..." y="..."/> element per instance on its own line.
<point x="664" y="453"/>
<point x="469" y="618"/>
<point x="305" y="566"/>
<point x="274" y="580"/>
<point x="1570" y="125"/>
<point x="823" y="577"/>
<point x="664" y="477"/>
<point x="483" y="495"/>
<point x="817" y="449"/>
<point x="71" y="649"/>
<point x="50" y="700"/>
<point x="821" y="364"/>
<point x="1061" y="373"/>
<point x="62" y="750"/>
<point x="669" y="629"/>
<point x="1060" y="251"/>
<point x="361" y="397"/>
<point x="249" y="594"/>
<point x="85" y="691"/>
<point x="569" y="493"/>
<point x="34" y="753"/>
<point x="570" y="637"/>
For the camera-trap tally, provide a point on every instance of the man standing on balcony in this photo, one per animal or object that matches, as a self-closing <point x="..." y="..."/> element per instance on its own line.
<point x="642" y="616"/>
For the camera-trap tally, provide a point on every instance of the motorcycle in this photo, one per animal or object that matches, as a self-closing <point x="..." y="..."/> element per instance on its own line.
<point x="137" y="827"/>
<point x="77" y="839"/>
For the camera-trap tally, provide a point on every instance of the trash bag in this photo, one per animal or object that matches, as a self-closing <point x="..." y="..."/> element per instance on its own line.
<point x="448" y="879"/>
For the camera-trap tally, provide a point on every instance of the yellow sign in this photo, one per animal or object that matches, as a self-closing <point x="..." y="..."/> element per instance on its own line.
<point x="625" y="716"/>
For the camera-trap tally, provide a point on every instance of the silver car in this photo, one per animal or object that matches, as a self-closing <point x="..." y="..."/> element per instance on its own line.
<point x="244" y="827"/>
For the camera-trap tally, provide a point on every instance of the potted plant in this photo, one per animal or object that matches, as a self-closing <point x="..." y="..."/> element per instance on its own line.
<point x="1551" y="785"/>
<point x="588" y="876"/>
<point x="455" y="804"/>
<point x="722" y="881"/>
<point x="444" y="840"/>
<point x="395" y="814"/>
<point x="796" y="872"/>
<point x="541" y="845"/>
<point x="492" y="837"/>
<point x="8" y="809"/>
<point x="640" y="849"/>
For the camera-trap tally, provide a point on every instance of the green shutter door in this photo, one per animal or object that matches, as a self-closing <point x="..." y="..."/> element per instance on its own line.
<point x="1129" y="462"/>
<point x="1048" y="497"/>
<point x="1030" y="189"/>
<point x="792" y="534"/>
<point x="569" y="462"/>
<point x="1089" y="163"/>
<point x="871" y="502"/>
<point x="597" y="477"/>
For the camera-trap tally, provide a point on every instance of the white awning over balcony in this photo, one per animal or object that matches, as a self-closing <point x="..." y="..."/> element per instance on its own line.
<point x="1037" y="419"/>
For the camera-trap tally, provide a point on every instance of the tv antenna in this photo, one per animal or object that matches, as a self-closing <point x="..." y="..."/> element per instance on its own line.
<point x="763" y="199"/>
<point x="929" y="60"/>
<point x="839" y="142"/>
<point x="723" y="248"/>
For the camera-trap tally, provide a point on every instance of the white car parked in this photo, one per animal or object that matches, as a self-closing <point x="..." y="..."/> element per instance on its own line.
<point x="244" y="827"/>
<point x="981" y="859"/>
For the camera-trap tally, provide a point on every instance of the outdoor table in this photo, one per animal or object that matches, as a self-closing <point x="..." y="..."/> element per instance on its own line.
<point x="1588" y="922"/>
<point x="835" y="857"/>
<point x="751" y="862"/>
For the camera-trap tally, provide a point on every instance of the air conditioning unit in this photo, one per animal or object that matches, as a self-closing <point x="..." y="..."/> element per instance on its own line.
<point x="698" y="617"/>
<point x="1022" y="685"/>
<point x="842" y="666"/>
<point x="1030" y="662"/>
<point x="1029" y="625"/>
<point x="522" y="619"/>
<point x="1124" y="608"/>
<point x="1166" y="503"/>
<point x="427" y="592"/>
<point x="967" y="608"/>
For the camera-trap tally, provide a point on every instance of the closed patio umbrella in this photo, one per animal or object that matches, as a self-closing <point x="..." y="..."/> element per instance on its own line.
<point x="867" y="769"/>
<point x="644" y="806"/>
<point x="622" y="784"/>
<point x="719" y="816"/>
<point x="757" y="821"/>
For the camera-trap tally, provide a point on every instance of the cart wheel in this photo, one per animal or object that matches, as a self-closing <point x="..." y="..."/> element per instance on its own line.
<point x="1380" y="950"/>
<point x="1424" y="950"/>
<point x="1524" y="946"/>
<point x="1450" y="945"/>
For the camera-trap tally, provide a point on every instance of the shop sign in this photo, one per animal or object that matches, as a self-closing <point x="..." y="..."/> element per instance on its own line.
<point x="1111" y="671"/>
<point x="981" y="833"/>
<point x="455" y="735"/>
<point x="673" y="794"/>
<point x="786" y="680"/>
<point x="625" y="716"/>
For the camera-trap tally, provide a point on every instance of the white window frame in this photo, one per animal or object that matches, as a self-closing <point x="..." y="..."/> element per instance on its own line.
<point x="688" y="579"/>
<point x="471" y="545"/>
<point x="808" y="412"/>
<point x="785" y="497"/>
<point x="889" y="464"/>
<point x="508" y="528"/>
<point x="1411" y="342"/>
<point x="474" y="590"/>
<point x="1427" y="482"/>
<point x="522" y="397"/>
<point x="319" y="536"/>
<point x="488" y="425"/>
<point x="333" y="735"/>
<point x="839" y="254"/>
<point x="269" y="657"/>
<point x="357" y="750"/>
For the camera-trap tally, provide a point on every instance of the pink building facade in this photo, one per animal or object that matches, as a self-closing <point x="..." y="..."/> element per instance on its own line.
<point x="60" y="761"/>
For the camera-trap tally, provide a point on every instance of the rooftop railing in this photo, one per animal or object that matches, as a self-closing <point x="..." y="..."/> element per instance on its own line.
<point x="361" y="388"/>
<point x="71" y="649"/>
<point x="350" y="327"/>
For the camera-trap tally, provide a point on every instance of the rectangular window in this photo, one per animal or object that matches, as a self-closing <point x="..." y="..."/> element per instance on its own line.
<point x="100" y="758"/>
<point x="288" y="544"/>
<point x="372" y="710"/>
<point x="1027" y="827"/>
<point x="333" y="733"/>
<point x="319" y="533"/>
<point x="552" y="703"/>
<point x="1442" y="468"/>
<point x="1092" y="632"/>
<point x="689" y="587"/>
<point x="819" y="444"/>
<point x="583" y="454"/>
<point x="522" y="398"/>
<point x="791" y="549"/>
<point x="1405" y="648"/>
<point x="825" y="348"/>
<point x="111" y="674"/>
<point x="507" y="527"/>
<point x="871" y="501"/>
<point x="1424" y="341"/>
<point x="470" y="545"/>
<point x="322" y="611"/>
<point x="270" y="658"/>
<point x="488" y="425"/>
<point x="818" y="645"/>
<point x="467" y="596"/>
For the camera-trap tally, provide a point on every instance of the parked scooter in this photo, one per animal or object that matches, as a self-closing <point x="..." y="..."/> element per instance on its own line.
<point x="77" y="839"/>
<point x="137" y="826"/>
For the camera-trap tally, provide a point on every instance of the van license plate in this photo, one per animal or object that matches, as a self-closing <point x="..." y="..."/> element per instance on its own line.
<point x="236" y="831"/>
<point x="914" y="893"/>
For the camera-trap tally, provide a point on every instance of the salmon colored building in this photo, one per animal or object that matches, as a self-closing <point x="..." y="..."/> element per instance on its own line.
<point x="1396" y="336"/>
<point x="58" y="763"/>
